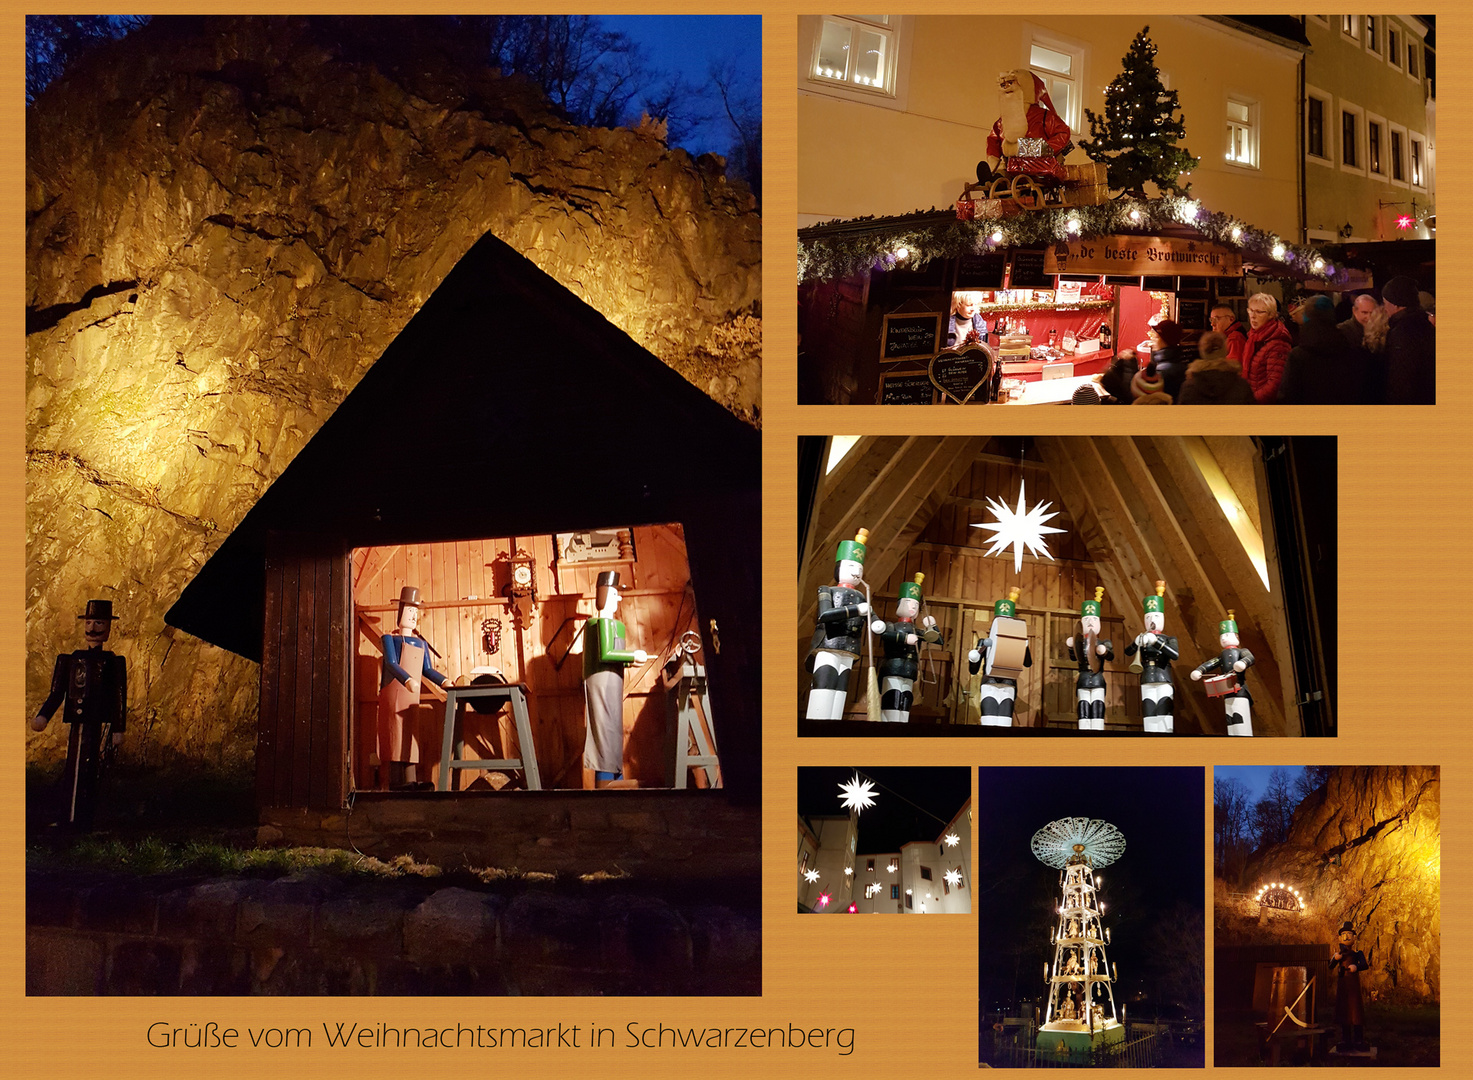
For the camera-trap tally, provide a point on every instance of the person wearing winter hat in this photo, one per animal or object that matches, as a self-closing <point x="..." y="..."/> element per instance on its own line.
<point x="1214" y="378"/>
<point x="1411" y="363"/>
<point x="1324" y="368"/>
<point x="1147" y="383"/>
<point x="1167" y="357"/>
<point x="1267" y="349"/>
<point x="1115" y="380"/>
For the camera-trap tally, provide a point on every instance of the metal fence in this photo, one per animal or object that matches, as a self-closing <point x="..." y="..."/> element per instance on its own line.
<point x="1141" y="1053"/>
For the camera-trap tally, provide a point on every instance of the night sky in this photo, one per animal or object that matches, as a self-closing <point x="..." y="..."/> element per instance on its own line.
<point x="1254" y="777"/>
<point x="1153" y="894"/>
<point x="891" y="821"/>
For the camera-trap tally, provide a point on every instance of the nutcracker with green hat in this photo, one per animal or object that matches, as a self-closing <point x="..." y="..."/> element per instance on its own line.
<point x="836" y="635"/>
<point x="1006" y="652"/>
<point x="901" y="640"/>
<point x="1226" y="678"/>
<point x="1157" y="651"/>
<point x="1091" y="654"/>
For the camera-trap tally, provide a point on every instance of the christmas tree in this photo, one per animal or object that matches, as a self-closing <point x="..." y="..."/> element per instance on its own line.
<point x="1137" y="137"/>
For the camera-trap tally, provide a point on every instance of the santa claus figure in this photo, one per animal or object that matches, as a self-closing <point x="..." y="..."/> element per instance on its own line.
<point x="1029" y="137"/>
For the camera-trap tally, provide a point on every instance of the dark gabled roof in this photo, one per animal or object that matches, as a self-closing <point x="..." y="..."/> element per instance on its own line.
<point x="506" y="407"/>
<point x="1285" y="30"/>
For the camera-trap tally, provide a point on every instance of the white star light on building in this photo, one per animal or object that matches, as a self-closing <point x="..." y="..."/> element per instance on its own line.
<point x="811" y="875"/>
<point x="952" y="839"/>
<point x="953" y="878"/>
<point x="1019" y="528"/>
<point x="859" y="794"/>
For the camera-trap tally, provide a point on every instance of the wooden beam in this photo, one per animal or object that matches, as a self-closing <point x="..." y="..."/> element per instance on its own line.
<point x="374" y="565"/>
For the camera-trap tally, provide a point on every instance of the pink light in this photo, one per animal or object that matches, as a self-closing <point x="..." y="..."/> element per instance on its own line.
<point x="1406" y="221"/>
<point x="853" y="908"/>
<point x="823" y="899"/>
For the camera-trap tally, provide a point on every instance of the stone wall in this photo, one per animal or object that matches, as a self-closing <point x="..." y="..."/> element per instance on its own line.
<point x="1366" y="848"/>
<point x="315" y="934"/>
<point x="227" y="221"/>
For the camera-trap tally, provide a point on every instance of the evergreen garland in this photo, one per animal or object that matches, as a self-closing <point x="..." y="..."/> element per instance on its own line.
<point x="1138" y="135"/>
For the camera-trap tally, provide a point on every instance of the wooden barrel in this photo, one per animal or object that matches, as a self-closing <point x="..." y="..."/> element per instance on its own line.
<point x="1288" y="984"/>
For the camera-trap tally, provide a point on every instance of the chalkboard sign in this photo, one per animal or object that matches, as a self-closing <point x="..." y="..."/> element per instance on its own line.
<point x="1028" y="270"/>
<point x="1115" y="279"/>
<point x="1193" y="286"/>
<point x="1191" y="314"/>
<point x="962" y="374"/>
<point x="1165" y="283"/>
<point x="913" y="389"/>
<point x="905" y="336"/>
<point x="1232" y="286"/>
<point x="981" y="271"/>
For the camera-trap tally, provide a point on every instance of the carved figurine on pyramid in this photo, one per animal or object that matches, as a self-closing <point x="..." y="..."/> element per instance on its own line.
<point x="1030" y="137"/>
<point x="1228" y="679"/>
<point x="902" y="640"/>
<point x="836" y="635"/>
<point x="1091" y="654"/>
<point x="1006" y="652"/>
<point x="1157" y="652"/>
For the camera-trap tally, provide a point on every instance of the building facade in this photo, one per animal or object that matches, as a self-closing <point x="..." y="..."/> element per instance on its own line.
<point x="826" y="854"/>
<point x="925" y="877"/>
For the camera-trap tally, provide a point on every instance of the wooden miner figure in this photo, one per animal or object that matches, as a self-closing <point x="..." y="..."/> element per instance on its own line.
<point x="93" y="684"/>
<point x="606" y="654"/>
<point x="1350" y="1010"/>
<point x="902" y="640"/>
<point x="1227" y="679"/>
<point x="1002" y="651"/>
<point x="1091" y="654"/>
<point x="406" y="666"/>
<point x="836" y="635"/>
<point x="1157" y="652"/>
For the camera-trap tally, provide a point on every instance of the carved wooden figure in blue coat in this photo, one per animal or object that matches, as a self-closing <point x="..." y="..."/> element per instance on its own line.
<point x="406" y="665"/>
<point x="836" y="635"/>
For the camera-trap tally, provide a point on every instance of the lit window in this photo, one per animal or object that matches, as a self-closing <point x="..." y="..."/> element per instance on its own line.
<point x="1373" y="146"/>
<point x="1059" y="64"/>
<point x="1350" y="26"/>
<point x="857" y="51"/>
<point x="1417" y="163"/>
<point x="1242" y="132"/>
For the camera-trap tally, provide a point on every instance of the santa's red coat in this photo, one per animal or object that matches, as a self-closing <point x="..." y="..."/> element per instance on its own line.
<point x="1042" y="124"/>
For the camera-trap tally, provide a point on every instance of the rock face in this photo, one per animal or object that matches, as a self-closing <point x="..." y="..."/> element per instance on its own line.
<point x="228" y="220"/>
<point x="1366" y="848"/>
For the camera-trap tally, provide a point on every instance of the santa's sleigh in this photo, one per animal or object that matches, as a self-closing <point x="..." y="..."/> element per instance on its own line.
<point x="1034" y="183"/>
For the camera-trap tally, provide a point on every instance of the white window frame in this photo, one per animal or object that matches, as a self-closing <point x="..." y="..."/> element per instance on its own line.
<point x="1254" y="128"/>
<point x="900" y="29"/>
<point x="1385" y="173"/>
<point x="1360" y="138"/>
<point x="1332" y="121"/>
<point x="1378" y="50"/>
<point x="1078" y="51"/>
<point x="1396" y="49"/>
<point x="1405" y="156"/>
<point x="1353" y="34"/>
<point x="1421" y="140"/>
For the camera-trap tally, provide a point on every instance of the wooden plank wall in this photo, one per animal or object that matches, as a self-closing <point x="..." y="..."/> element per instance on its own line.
<point x="302" y="732"/>
<point x="462" y="585"/>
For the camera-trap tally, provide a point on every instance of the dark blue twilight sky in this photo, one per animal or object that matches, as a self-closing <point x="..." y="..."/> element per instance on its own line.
<point x="688" y="45"/>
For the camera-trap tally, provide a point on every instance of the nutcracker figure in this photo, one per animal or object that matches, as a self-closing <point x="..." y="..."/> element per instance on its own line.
<point x="94" y="685"/>
<point x="1228" y="680"/>
<point x="1157" y="652"/>
<point x="902" y="640"/>
<point x="406" y="665"/>
<point x="1005" y="651"/>
<point x="1350" y="1010"/>
<point x="835" y="647"/>
<point x="1091" y="654"/>
<point x="605" y="655"/>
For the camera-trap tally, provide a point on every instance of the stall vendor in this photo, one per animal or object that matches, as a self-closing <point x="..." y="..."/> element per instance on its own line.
<point x="1157" y="652"/>
<point x="966" y="325"/>
<point x="94" y="685"/>
<point x="1230" y="665"/>
<point x="605" y="656"/>
<point x="1091" y="654"/>
<point x="406" y="664"/>
<point x="902" y="640"/>
<point x="835" y="645"/>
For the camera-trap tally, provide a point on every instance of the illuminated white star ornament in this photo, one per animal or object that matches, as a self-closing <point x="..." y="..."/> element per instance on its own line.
<point x="1019" y="528"/>
<point x="811" y="875"/>
<point x="953" y="878"/>
<point x="952" y="839"/>
<point x="859" y="795"/>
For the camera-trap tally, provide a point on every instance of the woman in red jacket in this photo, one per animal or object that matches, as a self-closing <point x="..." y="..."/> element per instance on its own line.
<point x="1267" y="349"/>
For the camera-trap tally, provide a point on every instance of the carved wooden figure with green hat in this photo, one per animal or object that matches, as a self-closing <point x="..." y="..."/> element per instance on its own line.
<point x="1157" y="651"/>
<point x="902" y="640"/>
<point x="1006" y="652"/>
<point x="1091" y="654"/>
<point x="836" y="634"/>
<point x="1227" y="678"/>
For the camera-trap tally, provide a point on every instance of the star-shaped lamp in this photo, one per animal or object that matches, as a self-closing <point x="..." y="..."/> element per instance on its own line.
<point x="811" y="876"/>
<point x="952" y="839"/>
<point x="1019" y="528"/>
<point x="858" y="795"/>
<point x="953" y="878"/>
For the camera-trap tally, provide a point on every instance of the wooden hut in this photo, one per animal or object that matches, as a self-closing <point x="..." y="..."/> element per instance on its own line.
<point x="1228" y="522"/>
<point x="508" y="423"/>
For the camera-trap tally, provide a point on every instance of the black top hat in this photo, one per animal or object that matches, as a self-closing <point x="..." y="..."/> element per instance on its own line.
<point x="608" y="579"/>
<point x="1346" y="927"/>
<point x="99" y="609"/>
<point x="409" y="597"/>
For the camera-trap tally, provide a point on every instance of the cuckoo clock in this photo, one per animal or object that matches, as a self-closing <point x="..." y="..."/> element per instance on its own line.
<point x="522" y="588"/>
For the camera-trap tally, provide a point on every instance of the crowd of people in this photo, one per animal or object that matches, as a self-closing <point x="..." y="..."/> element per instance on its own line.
<point x="1382" y="354"/>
